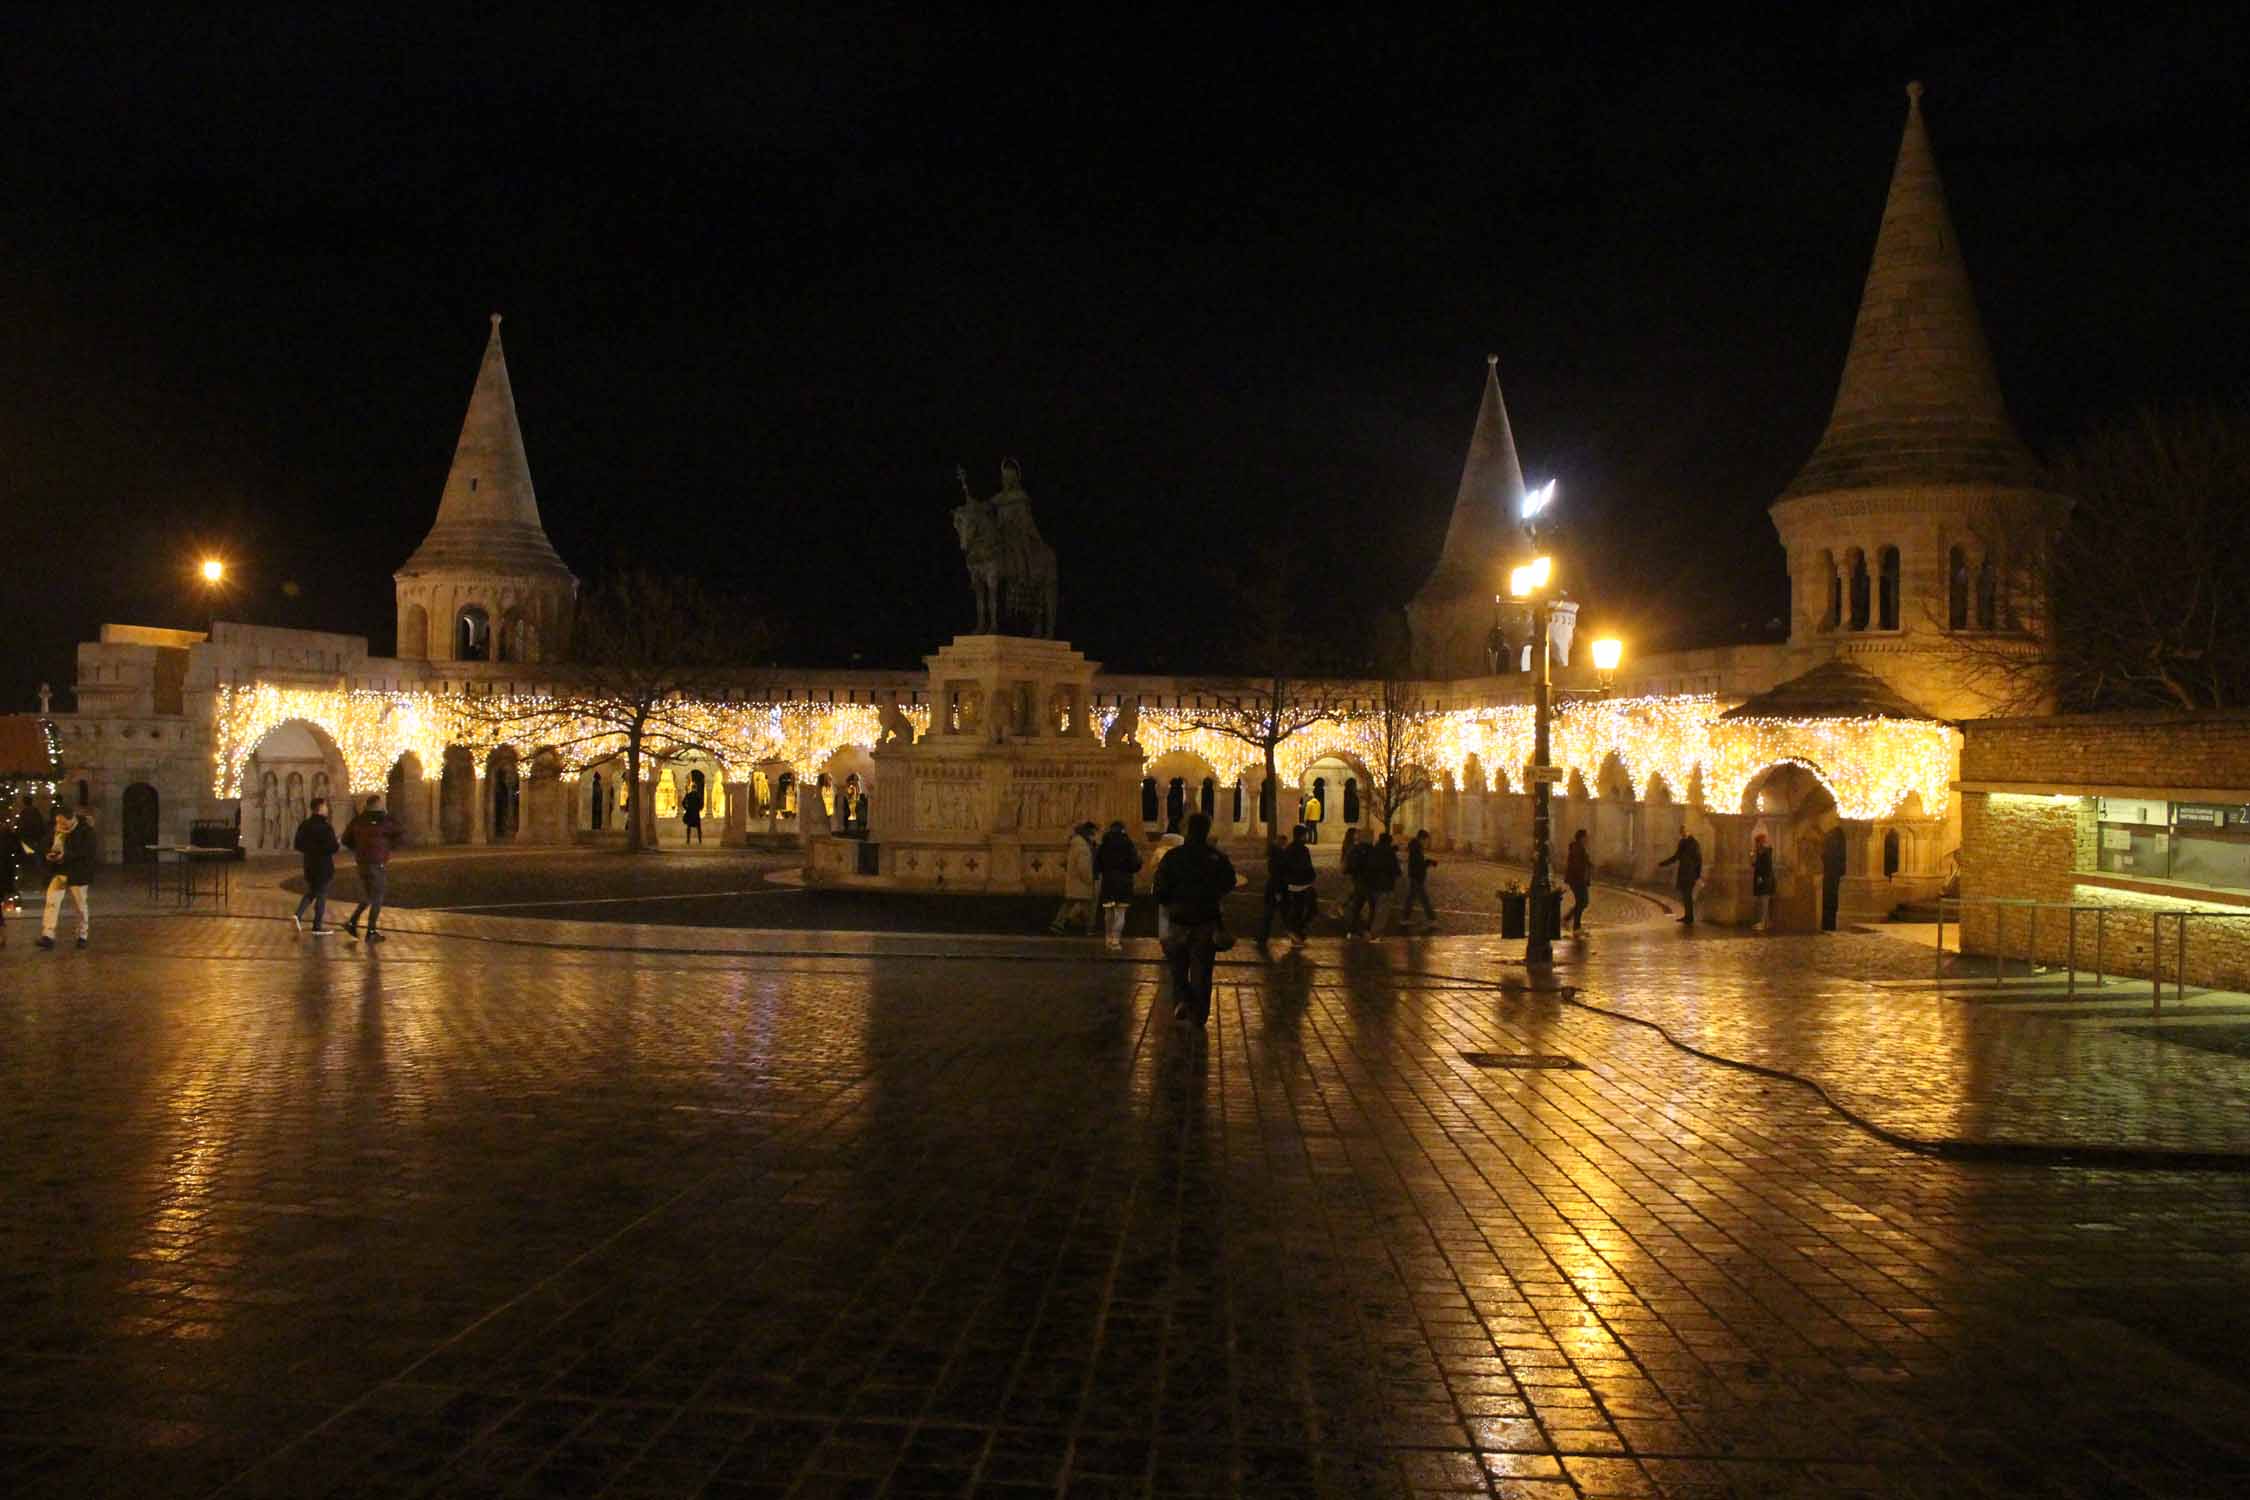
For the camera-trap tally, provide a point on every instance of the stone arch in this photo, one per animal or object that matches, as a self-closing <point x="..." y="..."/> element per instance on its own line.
<point x="1615" y="818"/>
<point x="515" y="638"/>
<point x="406" y="795"/>
<point x="1887" y="589"/>
<point x="546" y="807"/>
<point x="457" y="795"/>
<point x="1859" y="595"/>
<point x="296" y="750"/>
<point x="1794" y="805"/>
<point x="472" y="633"/>
<point x="503" y="780"/>
<point x="413" y="632"/>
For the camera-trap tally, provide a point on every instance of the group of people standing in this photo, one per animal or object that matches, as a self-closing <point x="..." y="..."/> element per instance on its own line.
<point x="371" y="836"/>
<point x="58" y="851"/>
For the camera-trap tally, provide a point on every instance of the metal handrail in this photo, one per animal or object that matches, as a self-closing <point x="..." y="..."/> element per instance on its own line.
<point x="2031" y="938"/>
<point x="2156" y="922"/>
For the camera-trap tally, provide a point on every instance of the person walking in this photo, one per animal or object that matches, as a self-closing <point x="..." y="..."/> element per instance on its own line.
<point x="371" y="837"/>
<point x="1191" y="881"/>
<point x="1276" y="892"/>
<point x="1578" y="874"/>
<point x="316" y="841"/>
<point x="72" y="856"/>
<point x="1299" y="878"/>
<point x="1077" y="907"/>
<point x="1687" y="863"/>
<point x="1382" y="882"/>
<point x="1761" y="882"/>
<point x="1351" y="858"/>
<point x="691" y="811"/>
<point x="1418" y="867"/>
<point x="1116" y="862"/>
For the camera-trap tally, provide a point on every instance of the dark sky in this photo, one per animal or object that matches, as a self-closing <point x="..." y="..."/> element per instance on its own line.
<point x="1226" y="292"/>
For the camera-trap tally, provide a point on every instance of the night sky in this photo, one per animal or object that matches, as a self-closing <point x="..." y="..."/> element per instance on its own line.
<point x="1227" y="293"/>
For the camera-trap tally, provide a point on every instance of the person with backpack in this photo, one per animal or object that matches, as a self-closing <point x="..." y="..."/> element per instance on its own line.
<point x="316" y="841"/>
<point x="1578" y="875"/>
<point x="72" y="857"/>
<point x="1116" y="862"/>
<point x="1418" y="867"/>
<point x="1687" y="863"/>
<point x="1299" y="877"/>
<point x="1191" y="881"/>
<point x="371" y="837"/>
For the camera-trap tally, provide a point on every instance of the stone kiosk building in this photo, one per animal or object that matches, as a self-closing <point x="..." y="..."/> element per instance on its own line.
<point x="1898" y="529"/>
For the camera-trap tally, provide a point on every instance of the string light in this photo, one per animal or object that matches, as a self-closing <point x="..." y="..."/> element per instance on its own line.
<point x="1871" y="766"/>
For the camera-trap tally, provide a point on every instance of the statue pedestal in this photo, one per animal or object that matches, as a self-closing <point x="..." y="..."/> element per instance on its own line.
<point x="986" y="799"/>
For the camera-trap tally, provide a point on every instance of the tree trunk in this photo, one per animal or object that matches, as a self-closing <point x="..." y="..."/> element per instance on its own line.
<point x="633" y="844"/>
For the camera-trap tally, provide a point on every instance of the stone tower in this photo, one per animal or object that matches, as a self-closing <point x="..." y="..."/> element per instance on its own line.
<point x="486" y="584"/>
<point x="1920" y="514"/>
<point x="1452" y="617"/>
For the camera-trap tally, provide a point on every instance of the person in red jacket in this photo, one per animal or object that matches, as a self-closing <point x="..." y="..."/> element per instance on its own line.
<point x="371" y="837"/>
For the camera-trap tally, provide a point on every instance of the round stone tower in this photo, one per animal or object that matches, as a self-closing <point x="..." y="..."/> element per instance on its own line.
<point x="486" y="584"/>
<point x="1919" y="520"/>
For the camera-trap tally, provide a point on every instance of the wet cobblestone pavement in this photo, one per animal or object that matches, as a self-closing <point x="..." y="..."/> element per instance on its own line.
<point x="495" y="1210"/>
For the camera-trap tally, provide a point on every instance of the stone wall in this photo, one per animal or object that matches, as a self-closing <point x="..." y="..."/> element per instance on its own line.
<point x="2029" y="832"/>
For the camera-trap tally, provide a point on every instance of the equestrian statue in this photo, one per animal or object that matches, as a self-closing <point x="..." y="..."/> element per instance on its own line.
<point x="1011" y="568"/>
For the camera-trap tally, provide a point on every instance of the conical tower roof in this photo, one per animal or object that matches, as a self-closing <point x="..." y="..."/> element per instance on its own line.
<point x="1487" y="507"/>
<point x="488" y="516"/>
<point x="1919" y="403"/>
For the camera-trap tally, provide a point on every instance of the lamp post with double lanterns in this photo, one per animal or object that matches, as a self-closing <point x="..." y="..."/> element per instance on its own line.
<point x="1531" y="588"/>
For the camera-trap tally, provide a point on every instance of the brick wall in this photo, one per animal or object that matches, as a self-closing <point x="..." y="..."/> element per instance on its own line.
<point x="2039" y="845"/>
<point x="2122" y="750"/>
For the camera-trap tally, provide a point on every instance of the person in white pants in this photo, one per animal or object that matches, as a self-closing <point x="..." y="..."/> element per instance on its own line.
<point x="70" y="865"/>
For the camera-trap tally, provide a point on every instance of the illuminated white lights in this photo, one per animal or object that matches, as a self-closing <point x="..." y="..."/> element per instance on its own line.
<point x="1535" y="501"/>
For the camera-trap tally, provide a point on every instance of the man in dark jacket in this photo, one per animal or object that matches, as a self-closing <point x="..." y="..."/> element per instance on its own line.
<point x="1298" y="876"/>
<point x="1277" y="886"/>
<point x="371" y="837"/>
<point x="1761" y="882"/>
<point x="1382" y="881"/>
<point x="1116" y="862"/>
<point x="1687" y="862"/>
<point x="1578" y="875"/>
<point x="316" y="841"/>
<point x="72" y="856"/>
<point x="1418" y="867"/>
<point x="1190" y="883"/>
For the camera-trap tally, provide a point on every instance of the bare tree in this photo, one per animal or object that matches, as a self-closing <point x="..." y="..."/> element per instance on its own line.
<point x="1278" y="695"/>
<point x="1403" y="766"/>
<point x="2137" y="603"/>
<point x="647" y="647"/>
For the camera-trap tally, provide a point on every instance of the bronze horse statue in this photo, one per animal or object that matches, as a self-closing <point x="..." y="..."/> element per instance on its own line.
<point x="1011" y="567"/>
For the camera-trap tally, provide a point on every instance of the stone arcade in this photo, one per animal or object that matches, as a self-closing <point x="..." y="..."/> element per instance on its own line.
<point x="1898" y="531"/>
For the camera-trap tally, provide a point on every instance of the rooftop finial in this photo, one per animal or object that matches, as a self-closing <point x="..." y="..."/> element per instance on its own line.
<point x="495" y="322"/>
<point x="1914" y="96"/>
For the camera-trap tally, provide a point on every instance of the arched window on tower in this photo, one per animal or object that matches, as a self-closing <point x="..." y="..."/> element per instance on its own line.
<point x="472" y="635"/>
<point x="1988" y="594"/>
<point x="1890" y="852"/>
<point x="1886" y="598"/>
<point x="1351" y="799"/>
<point x="1149" y="813"/>
<point x="1956" y="590"/>
<point x="1860" y="590"/>
<point x="1208" y="802"/>
<point x="1832" y="591"/>
<point x="514" y="637"/>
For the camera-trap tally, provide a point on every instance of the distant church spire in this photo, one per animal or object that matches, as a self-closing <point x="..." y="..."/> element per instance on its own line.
<point x="1451" y="617"/>
<point x="1486" y="507"/>
<point x="1919" y="403"/>
<point x="488" y="515"/>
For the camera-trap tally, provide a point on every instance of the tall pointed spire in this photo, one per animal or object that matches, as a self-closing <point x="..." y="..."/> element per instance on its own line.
<point x="488" y="515"/>
<point x="1486" y="507"/>
<point x="1919" y="403"/>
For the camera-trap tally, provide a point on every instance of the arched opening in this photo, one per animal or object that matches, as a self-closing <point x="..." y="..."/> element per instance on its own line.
<point x="597" y="802"/>
<point x="1860" y="590"/>
<point x="1956" y="589"/>
<point x="1890" y="852"/>
<point x="1831" y="591"/>
<point x="1988" y="595"/>
<point x="504" y="777"/>
<point x="1887" y="587"/>
<point x="1351" y="799"/>
<point x="1149" y="810"/>
<point x="1316" y="807"/>
<point x="277" y="782"/>
<point x="1208" y="801"/>
<point x="1797" y="814"/>
<point x="516" y="639"/>
<point x="1237" y="809"/>
<point x="457" y="796"/>
<point x="472" y="635"/>
<point x="138" y="823"/>
<point x="414" y="632"/>
<point x="1175" y="804"/>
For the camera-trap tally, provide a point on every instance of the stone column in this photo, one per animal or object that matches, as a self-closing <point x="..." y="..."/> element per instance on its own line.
<point x="1725" y="897"/>
<point x="738" y="815"/>
<point x="480" y="808"/>
<point x="1864" y="896"/>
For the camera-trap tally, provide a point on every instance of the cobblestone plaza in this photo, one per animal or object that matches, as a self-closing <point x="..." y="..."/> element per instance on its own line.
<point x="531" y="1207"/>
